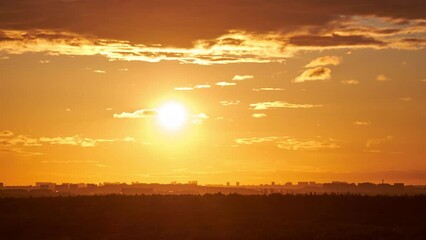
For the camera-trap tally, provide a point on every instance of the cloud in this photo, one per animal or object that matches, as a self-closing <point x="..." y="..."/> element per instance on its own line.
<point x="141" y="113"/>
<point x="291" y="143"/>
<point x="21" y="152"/>
<point x="19" y="140"/>
<point x="324" y="61"/>
<point x="350" y="82"/>
<point x="280" y="104"/>
<point x="199" y="118"/>
<point x="225" y="84"/>
<point x="228" y="103"/>
<point x="138" y="20"/>
<point x="131" y="32"/>
<point x="382" y="78"/>
<point x="259" y="115"/>
<point x="361" y="123"/>
<point x="267" y="89"/>
<point x="405" y="99"/>
<point x="184" y="88"/>
<point x="314" y="74"/>
<point x="255" y="49"/>
<point x="6" y="133"/>
<point x="242" y="77"/>
<point x="15" y="144"/>
<point x="372" y="144"/>
<point x="253" y="140"/>
<point x="307" y="144"/>
<point x="335" y="41"/>
<point x="80" y="141"/>
<point x="99" y="71"/>
<point x="70" y="162"/>
<point x="201" y="86"/>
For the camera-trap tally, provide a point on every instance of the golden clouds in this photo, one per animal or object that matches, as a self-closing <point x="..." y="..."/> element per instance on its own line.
<point x="254" y="47"/>
<point x="226" y="84"/>
<point x="199" y="118"/>
<point x="18" y="144"/>
<point x="242" y="77"/>
<point x="141" y="113"/>
<point x="280" y="104"/>
<point x="373" y="144"/>
<point x="324" y="61"/>
<point x="382" y="78"/>
<point x="290" y="143"/>
<point x="267" y="89"/>
<point x="307" y="144"/>
<point x="228" y="103"/>
<point x="314" y="74"/>
<point x="234" y="46"/>
<point x="259" y="115"/>
<point x="350" y="82"/>
<point x="361" y="123"/>
<point x="201" y="86"/>
<point x="405" y="99"/>
<point x="6" y="133"/>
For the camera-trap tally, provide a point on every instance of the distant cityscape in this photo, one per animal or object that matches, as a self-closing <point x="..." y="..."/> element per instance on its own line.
<point x="192" y="187"/>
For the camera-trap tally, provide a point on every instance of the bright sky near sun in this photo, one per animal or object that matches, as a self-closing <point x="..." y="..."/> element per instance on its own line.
<point x="214" y="91"/>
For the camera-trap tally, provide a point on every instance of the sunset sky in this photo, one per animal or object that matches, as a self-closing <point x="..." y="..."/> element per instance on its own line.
<point x="212" y="90"/>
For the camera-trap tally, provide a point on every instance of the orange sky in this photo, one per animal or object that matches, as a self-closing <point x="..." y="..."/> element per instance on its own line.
<point x="269" y="91"/>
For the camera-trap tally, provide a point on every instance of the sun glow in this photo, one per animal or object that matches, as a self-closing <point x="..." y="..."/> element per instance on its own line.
<point x="172" y="116"/>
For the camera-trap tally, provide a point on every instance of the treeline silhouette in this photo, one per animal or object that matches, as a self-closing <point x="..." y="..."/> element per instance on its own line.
<point x="214" y="216"/>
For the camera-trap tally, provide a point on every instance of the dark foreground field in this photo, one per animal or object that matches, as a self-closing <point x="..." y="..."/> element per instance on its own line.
<point x="214" y="217"/>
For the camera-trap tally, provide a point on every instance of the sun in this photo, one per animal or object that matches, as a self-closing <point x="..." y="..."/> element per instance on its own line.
<point x="172" y="115"/>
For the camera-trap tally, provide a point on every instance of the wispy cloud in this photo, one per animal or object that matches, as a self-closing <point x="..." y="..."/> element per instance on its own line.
<point x="22" y="140"/>
<point x="252" y="48"/>
<point x="6" y="133"/>
<point x="21" y="152"/>
<point x="280" y="104"/>
<point x="81" y="141"/>
<point x="141" y="113"/>
<point x="324" y="61"/>
<point x="307" y="144"/>
<point x="361" y="123"/>
<point x="291" y="143"/>
<point x="201" y="86"/>
<point x="228" y="103"/>
<point x="382" y="78"/>
<point x="15" y="144"/>
<point x="199" y="118"/>
<point x="372" y="144"/>
<point x="259" y="115"/>
<point x="267" y="89"/>
<point x="314" y="74"/>
<point x="253" y="140"/>
<point x="350" y="82"/>
<point x="242" y="77"/>
<point x="184" y="88"/>
<point x="405" y="99"/>
<point x="225" y="84"/>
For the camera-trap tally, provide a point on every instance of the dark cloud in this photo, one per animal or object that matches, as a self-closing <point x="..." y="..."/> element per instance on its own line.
<point x="334" y="40"/>
<point x="179" y="23"/>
